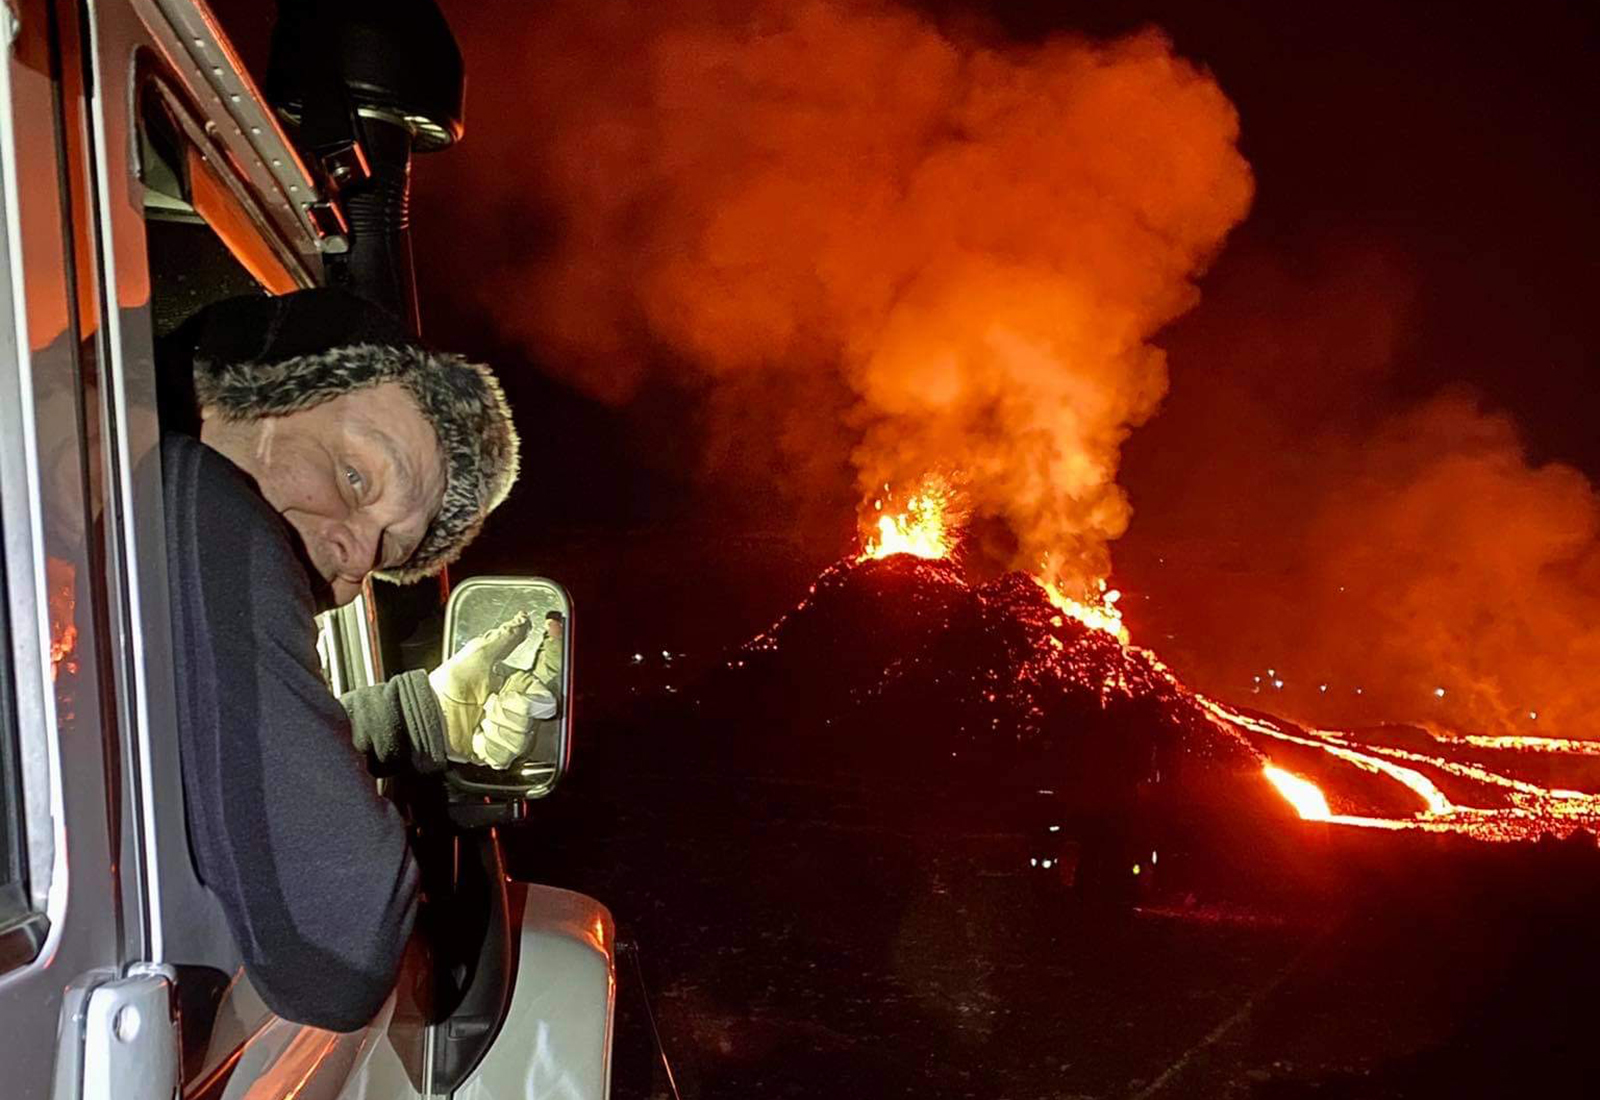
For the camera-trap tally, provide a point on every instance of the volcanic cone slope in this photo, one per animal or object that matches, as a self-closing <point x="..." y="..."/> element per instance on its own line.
<point x="901" y="665"/>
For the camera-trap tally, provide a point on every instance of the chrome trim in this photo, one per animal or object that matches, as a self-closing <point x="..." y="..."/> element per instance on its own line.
<point x="260" y="150"/>
<point x="225" y="174"/>
<point x="138" y="544"/>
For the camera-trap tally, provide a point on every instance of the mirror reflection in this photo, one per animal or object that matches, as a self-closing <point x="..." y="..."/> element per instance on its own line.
<point x="506" y="682"/>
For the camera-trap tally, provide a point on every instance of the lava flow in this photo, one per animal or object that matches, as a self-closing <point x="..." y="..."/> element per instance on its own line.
<point x="1016" y="661"/>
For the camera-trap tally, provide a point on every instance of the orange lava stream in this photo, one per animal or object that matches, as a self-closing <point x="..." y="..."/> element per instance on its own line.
<point x="1305" y="796"/>
<point x="1102" y="616"/>
<point x="1433" y="799"/>
<point x="1525" y="744"/>
<point x="926" y="525"/>
<point x="1532" y="810"/>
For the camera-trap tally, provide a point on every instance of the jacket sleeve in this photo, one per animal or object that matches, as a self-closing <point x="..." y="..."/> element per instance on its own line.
<point x="397" y="724"/>
<point x="310" y="864"/>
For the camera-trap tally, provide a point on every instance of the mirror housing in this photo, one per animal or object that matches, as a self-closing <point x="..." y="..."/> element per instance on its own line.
<point x="538" y="668"/>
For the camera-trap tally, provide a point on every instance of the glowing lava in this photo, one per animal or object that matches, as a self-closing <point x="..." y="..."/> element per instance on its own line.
<point x="923" y="527"/>
<point x="1305" y="796"/>
<point x="1480" y="802"/>
<point x="1102" y="616"/>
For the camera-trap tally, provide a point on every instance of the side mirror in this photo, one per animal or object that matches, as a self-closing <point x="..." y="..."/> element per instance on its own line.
<point x="538" y="669"/>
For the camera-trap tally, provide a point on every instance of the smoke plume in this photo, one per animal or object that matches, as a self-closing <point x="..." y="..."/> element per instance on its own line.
<point x="1320" y="540"/>
<point x="943" y="252"/>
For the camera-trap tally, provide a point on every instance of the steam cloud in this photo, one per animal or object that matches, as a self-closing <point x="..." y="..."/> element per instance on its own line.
<point x="971" y="241"/>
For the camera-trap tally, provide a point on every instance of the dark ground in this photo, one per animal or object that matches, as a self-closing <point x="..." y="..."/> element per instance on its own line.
<point x="818" y="939"/>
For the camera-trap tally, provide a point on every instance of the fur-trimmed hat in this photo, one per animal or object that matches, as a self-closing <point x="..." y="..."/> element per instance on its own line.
<point x="262" y="357"/>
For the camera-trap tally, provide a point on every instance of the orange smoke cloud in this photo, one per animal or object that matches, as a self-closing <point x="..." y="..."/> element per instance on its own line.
<point x="1388" y="558"/>
<point x="974" y="239"/>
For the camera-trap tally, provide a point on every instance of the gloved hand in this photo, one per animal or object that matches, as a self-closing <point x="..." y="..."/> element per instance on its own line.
<point x="462" y="682"/>
<point x="508" y="720"/>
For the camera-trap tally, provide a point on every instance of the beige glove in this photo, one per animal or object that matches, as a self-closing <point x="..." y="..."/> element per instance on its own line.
<point x="508" y="720"/>
<point x="462" y="682"/>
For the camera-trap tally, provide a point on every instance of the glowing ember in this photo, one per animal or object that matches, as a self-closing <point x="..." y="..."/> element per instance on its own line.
<point x="63" y="608"/>
<point x="1305" y="796"/>
<point x="923" y="527"/>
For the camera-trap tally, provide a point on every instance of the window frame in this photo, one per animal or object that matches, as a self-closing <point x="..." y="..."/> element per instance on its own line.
<point x="22" y="927"/>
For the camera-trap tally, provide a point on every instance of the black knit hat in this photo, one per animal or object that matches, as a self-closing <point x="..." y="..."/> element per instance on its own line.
<point x="258" y="357"/>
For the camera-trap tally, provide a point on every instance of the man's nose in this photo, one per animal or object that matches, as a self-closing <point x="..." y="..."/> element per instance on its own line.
<point x="355" y="545"/>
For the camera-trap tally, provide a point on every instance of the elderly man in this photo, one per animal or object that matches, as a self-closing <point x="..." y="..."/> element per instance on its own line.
<point x="323" y="445"/>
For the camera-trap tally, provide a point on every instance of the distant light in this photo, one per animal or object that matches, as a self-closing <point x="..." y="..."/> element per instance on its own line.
<point x="1439" y="692"/>
<point x="638" y="658"/>
<point x="1033" y="861"/>
<point x="1533" y="715"/>
<point x="1358" y="691"/>
<point x="1153" y="859"/>
<point x="1272" y="672"/>
<point x="1322" y="687"/>
<point x="1278" y="684"/>
<point x="1055" y="828"/>
<point x="1258" y="679"/>
<point x="665" y="656"/>
<point x="1045" y="863"/>
<point x="1137" y="869"/>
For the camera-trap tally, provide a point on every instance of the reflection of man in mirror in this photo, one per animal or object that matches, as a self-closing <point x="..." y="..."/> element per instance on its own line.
<point x="547" y="661"/>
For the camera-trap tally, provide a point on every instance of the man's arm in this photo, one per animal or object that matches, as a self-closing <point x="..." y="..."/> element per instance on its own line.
<point x="397" y="724"/>
<point x="310" y="863"/>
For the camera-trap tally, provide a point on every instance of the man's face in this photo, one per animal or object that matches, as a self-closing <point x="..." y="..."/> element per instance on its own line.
<point x="552" y="629"/>
<point x="359" y="478"/>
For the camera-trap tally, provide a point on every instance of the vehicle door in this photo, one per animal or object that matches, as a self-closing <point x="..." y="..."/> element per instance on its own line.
<point x="65" y="927"/>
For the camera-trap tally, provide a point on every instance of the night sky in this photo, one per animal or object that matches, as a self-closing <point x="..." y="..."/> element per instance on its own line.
<point x="1424" y="223"/>
<point x="1461" y="147"/>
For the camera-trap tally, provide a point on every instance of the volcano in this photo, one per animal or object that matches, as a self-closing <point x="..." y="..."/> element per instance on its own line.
<point x="900" y="666"/>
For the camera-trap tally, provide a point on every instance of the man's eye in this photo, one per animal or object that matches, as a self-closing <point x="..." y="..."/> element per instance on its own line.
<point x="357" y="482"/>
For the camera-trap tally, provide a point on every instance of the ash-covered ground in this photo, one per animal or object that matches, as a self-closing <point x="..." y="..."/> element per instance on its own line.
<point x="903" y="844"/>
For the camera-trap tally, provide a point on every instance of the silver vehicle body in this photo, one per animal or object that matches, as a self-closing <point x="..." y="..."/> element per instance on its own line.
<point x="118" y="976"/>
